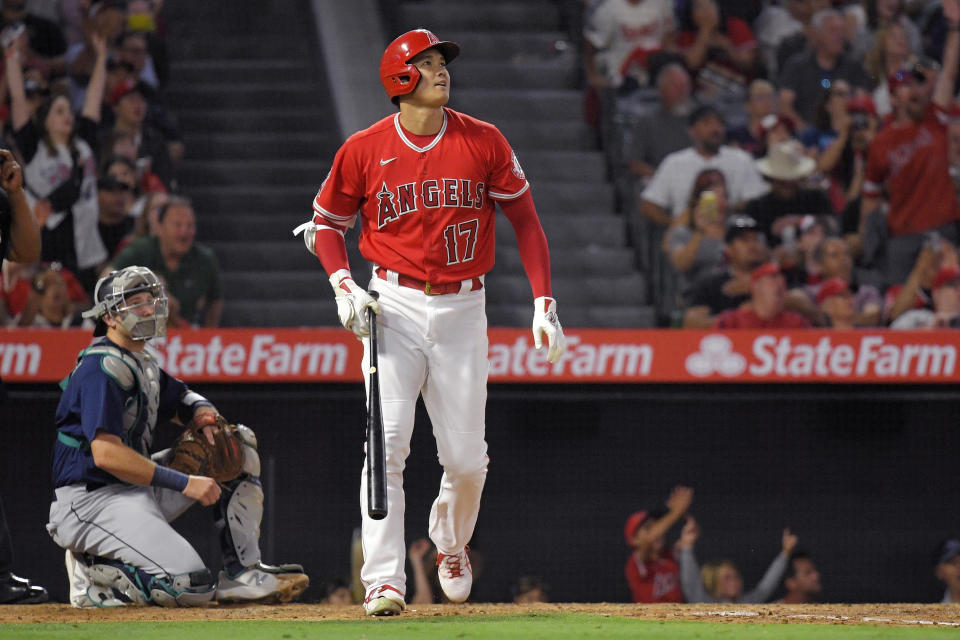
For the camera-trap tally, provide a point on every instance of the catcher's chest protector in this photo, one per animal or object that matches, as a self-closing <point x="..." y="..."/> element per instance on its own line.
<point x="139" y="375"/>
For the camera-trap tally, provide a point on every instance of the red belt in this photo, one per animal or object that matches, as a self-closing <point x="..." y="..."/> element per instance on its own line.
<point x="430" y="288"/>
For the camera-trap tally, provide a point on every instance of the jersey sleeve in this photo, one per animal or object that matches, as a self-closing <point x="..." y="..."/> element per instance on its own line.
<point x="600" y="27"/>
<point x="507" y="180"/>
<point x="172" y="391"/>
<point x="341" y="192"/>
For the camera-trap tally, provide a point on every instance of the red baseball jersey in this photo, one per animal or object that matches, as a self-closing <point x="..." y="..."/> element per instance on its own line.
<point x="654" y="581"/>
<point x="426" y="212"/>
<point x="912" y="163"/>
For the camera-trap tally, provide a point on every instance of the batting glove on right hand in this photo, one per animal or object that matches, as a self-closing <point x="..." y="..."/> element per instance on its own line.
<point x="352" y="304"/>
<point x="546" y="322"/>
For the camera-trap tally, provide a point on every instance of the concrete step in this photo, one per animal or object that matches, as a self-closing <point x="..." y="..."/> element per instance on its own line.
<point x="241" y="95"/>
<point x="276" y="119"/>
<point x="566" y="135"/>
<point x="571" y="261"/>
<point x="243" y="172"/>
<point x="514" y="74"/>
<point x="503" y="45"/>
<point x="240" y="47"/>
<point x="309" y="282"/>
<point x="261" y="197"/>
<point x="252" y="312"/>
<point x="576" y="230"/>
<point x="266" y="146"/>
<point x="269" y="253"/>
<point x="553" y="198"/>
<point x="575" y="166"/>
<point x="227" y="70"/>
<point x="571" y="291"/>
<point x="495" y="104"/>
<point x="443" y="16"/>
<point x="573" y="316"/>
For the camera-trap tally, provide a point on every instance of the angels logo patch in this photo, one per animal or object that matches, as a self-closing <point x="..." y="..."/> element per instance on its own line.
<point x="517" y="169"/>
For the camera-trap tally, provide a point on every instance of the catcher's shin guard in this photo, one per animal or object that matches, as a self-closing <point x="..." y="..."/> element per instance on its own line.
<point x="240" y="511"/>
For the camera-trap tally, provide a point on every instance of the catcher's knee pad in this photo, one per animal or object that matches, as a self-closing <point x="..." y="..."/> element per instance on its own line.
<point x="241" y="510"/>
<point x="251" y="459"/>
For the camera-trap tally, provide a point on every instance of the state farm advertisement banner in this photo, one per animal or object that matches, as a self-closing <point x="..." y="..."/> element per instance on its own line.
<point x="593" y="355"/>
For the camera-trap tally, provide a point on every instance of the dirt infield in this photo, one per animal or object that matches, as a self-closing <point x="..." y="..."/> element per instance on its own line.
<point x="846" y="614"/>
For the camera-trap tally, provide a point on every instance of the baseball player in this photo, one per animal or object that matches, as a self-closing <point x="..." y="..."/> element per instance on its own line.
<point x="113" y="503"/>
<point x="425" y="182"/>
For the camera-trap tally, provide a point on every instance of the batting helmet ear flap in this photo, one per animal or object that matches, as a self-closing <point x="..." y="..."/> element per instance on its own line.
<point x="398" y="76"/>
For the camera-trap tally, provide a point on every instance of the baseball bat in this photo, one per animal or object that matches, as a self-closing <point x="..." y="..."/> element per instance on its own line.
<point x="376" y="449"/>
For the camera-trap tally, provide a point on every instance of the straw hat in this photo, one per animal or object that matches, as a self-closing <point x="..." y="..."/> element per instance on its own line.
<point x="786" y="161"/>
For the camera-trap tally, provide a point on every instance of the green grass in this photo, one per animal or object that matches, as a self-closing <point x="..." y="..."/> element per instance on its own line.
<point x="549" y="626"/>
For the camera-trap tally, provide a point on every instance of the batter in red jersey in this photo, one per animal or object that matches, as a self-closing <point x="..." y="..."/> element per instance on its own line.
<point x="423" y="184"/>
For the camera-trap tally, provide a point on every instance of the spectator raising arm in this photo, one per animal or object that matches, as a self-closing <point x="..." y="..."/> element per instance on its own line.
<point x="24" y="231"/>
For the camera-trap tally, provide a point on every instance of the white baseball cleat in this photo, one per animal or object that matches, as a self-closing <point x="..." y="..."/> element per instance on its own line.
<point x="456" y="576"/>
<point x="384" y="601"/>
<point x="254" y="585"/>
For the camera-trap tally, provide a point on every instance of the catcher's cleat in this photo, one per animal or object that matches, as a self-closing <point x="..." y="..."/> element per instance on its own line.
<point x="279" y="569"/>
<point x="384" y="601"/>
<point x="17" y="590"/>
<point x="456" y="575"/>
<point x="255" y="585"/>
<point x="83" y="593"/>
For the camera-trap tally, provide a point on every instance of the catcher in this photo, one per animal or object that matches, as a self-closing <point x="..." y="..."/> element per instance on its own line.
<point x="113" y="500"/>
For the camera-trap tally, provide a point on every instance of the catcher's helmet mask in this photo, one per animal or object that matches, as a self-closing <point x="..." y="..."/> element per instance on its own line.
<point x="398" y="76"/>
<point x="111" y="297"/>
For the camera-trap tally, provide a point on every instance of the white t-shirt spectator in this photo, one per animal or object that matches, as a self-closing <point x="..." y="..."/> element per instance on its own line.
<point x="618" y="27"/>
<point x="670" y="186"/>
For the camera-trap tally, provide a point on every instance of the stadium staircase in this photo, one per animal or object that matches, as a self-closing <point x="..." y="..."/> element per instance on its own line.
<point x="251" y="95"/>
<point x="249" y="89"/>
<point x="518" y="71"/>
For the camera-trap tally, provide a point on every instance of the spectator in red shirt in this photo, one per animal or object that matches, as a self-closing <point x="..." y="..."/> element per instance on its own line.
<point x="765" y="310"/>
<point x="652" y="572"/>
<point x="909" y="161"/>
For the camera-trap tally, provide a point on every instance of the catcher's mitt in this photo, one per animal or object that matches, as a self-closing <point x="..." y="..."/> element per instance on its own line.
<point x="194" y="455"/>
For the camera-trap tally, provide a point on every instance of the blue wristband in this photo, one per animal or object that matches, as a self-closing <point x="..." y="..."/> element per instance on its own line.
<point x="168" y="478"/>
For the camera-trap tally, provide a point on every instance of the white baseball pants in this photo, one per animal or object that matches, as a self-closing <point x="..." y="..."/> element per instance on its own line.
<point x="434" y="346"/>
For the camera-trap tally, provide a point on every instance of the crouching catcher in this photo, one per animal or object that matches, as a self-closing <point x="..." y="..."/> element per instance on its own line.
<point x="115" y="496"/>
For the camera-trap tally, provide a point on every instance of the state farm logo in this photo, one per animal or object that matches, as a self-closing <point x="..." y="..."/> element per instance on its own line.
<point x="716" y="355"/>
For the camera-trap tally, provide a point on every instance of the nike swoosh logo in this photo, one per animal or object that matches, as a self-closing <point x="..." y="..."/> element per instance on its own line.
<point x="387" y="161"/>
<point x="260" y="578"/>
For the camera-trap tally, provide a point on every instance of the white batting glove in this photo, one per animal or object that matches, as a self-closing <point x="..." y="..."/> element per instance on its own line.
<point x="546" y="322"/>
<point x="352" y="303"/>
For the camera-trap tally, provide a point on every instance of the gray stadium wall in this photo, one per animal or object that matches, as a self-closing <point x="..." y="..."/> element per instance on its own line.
<point x="866" y="476"/>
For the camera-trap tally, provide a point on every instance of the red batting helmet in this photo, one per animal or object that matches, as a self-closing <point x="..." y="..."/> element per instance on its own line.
<point x="398" y="76"/>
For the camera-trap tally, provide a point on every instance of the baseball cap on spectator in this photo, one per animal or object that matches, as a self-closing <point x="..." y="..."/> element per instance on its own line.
<point x="862" y="103"/>
<point x="738" y="225"/>
<point x="946" y="275"/>
<point x="701" y="112"/>
<point x="125" y="88"/>
<point x="904" y="76"/>
<point x="946" y="551"/>
<point x="766" y="269"/>
<point x="832" y="287"/>
<point x="636" y="520"/>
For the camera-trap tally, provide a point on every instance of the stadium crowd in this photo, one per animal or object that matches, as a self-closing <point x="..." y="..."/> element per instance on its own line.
<point x="82" y="107"/>
<point x="784" y="164"/>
